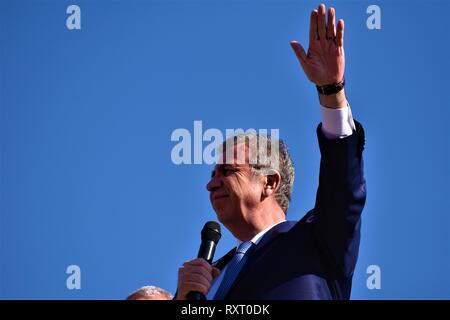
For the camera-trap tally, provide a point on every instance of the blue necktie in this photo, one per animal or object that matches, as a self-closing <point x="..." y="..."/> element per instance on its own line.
<point x="233" y="269"/>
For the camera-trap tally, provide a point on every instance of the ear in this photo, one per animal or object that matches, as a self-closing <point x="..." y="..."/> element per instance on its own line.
<point x="271" y="183"/>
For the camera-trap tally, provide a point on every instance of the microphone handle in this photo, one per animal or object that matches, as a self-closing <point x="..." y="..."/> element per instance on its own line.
<point x="195" y="296"/>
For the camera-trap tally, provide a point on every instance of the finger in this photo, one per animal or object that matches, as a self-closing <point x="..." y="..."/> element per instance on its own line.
<point x="198" y="267"/>
<point x="301" y="55"/>
<point x="299" y="51"/>
<point x="321" y="22"/>
<point x="331" y="27"/>
<point x="201" y="272"/>
<point x="215" y="272"/>
<point x="199" y="262"/>
<point x="192" y="278"/>
<point x="193" y="286"/>
<point x="313" y="35"/>
<point x="340" y="33"/>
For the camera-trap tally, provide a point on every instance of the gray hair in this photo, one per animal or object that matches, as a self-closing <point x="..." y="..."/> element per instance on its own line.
<point x="271" y="154"/>
<point x="150" y="291"/>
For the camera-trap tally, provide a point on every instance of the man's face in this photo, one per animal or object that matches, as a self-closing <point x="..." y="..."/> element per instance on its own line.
<point x="234" y="190"/>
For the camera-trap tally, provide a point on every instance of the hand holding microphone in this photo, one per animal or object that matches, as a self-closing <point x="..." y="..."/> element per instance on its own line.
<point x="195" y="276"/>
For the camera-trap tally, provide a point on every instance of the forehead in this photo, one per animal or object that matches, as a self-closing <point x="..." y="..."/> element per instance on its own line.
<point x="234" y="154"/>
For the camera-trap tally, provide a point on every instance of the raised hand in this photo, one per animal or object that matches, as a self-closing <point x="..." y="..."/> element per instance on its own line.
<point x="325" y="61"/>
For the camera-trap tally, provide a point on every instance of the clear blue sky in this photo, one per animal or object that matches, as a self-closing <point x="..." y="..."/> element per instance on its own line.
<point x="86" y="118"/>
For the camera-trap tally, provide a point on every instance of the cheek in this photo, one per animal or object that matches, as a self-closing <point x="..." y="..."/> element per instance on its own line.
<point x="253" y="194"/>
<point x="241" y="191"/>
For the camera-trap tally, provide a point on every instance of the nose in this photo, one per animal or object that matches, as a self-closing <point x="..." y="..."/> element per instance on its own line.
<point x="213" y="184"/>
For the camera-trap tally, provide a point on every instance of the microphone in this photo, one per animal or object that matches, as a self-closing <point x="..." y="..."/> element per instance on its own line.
<point x="210" y="237"/>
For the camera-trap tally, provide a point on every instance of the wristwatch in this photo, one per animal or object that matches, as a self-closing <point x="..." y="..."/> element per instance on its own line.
<point x="330" y="89"/>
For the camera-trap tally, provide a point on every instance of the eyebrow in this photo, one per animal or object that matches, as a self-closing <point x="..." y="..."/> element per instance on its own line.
<point x="222" y="167"/>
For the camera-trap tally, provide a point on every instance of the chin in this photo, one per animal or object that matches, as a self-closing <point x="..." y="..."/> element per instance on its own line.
<point x="221" y="215"/>
<point x="223" y="211"/>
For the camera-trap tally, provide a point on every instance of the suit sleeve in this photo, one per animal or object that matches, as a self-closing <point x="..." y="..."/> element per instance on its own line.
<point x="340" y="199"/>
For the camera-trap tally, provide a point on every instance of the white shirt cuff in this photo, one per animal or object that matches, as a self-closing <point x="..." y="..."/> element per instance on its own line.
<point x="337" y="123"/>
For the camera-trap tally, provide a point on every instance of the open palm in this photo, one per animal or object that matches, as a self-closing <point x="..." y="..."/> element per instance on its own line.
<point x="325" y="61"/>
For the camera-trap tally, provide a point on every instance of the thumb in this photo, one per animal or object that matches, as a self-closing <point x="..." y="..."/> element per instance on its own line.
<point x="215" y="272"/>
<point x="299" y="52"/>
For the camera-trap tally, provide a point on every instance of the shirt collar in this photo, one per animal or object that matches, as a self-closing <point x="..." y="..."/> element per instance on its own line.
<point x="256" y="239"/>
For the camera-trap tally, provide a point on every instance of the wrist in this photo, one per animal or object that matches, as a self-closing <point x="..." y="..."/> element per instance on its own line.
<point x="329" y="89"/>
<point x="334" y="101"/>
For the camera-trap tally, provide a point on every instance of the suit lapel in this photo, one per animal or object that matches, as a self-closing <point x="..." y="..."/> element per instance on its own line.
<point x="272" y="234"/>
<point x="256" y="251"/>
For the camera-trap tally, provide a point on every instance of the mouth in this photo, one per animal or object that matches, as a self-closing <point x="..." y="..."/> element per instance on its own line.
<point x="219" y="197"/>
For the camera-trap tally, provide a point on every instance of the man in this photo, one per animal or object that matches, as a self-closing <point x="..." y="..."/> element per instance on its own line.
<point x="278" y="259"/>
<point x="150" y="293"/>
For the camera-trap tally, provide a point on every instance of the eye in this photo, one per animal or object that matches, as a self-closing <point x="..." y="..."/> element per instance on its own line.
<point x="227" y="171"/>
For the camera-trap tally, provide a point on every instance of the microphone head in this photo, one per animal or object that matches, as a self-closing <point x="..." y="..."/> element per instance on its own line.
<point x="211" y="232"/>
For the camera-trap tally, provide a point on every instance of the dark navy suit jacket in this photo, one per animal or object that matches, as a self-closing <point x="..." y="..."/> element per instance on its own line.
<point x="313" y="258"/>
